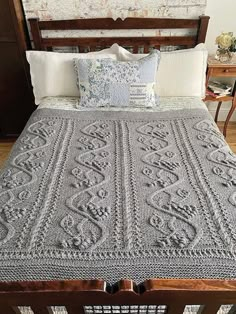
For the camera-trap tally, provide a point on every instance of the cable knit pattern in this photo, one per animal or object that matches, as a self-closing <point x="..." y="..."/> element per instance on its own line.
<point x="116" y="195"/>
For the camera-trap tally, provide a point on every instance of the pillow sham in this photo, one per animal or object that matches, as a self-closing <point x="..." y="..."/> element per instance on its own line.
<point x="109" y="83"/>
<point x="180" y="73"/>
<point x="52" y="73"/>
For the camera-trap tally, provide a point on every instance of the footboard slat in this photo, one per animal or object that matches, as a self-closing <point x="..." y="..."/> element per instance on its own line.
<point x="176" y="309"/>
<point x="209" y="309"/>
<point x="232" y="310"/>
<point x="9" y="310"/>
<point x="41" y="310"/>
<point x="75" y="309"/>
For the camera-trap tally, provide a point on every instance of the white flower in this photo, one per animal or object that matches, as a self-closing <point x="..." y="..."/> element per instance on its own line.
<point x="224" y="40"/>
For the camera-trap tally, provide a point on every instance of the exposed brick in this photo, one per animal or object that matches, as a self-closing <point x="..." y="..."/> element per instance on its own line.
<point x="69" y="9"/>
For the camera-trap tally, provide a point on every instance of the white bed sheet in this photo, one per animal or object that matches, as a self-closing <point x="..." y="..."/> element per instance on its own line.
<point x="166" y="103"/>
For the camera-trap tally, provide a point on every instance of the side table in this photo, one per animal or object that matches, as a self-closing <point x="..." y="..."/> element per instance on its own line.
<point x="218" y="69"/>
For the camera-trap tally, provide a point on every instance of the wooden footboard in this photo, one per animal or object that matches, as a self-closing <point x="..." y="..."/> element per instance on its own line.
<point x="95" y="296"/>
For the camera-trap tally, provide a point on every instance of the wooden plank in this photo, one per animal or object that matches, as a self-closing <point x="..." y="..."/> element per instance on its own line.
<point x="158" y="47"/>
<point x="82" y="49"/>
<point x="5" y="148"/>
<point x="130" y="23"/>
<point x="126" y="285"/>
<point x="212" y="285"/>
<point x="109" y="23"/>
<point x="209" y="309"/>
<point x="92" y="48"/>
<point x="173" y="292"/>
<point x="150" y="285"/>
<point x="5" y="309"/>
<point x="146" y="49"/>
<point x="106" y="41"/>
<point x="176" y="309"/>
<point x="41" y="309"/>
<point x="52" y="286"/>
<point x="202" y="30"/>
<point x="36" y="34"/>
<point x="232" y="310"/>
<point x="75" y="309"/>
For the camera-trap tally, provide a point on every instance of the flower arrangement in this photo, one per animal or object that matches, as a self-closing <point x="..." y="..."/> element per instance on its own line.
<point x="226" y="46"/>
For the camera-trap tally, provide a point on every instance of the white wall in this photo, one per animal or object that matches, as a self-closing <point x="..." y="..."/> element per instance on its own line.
<point x="223" y="19"/>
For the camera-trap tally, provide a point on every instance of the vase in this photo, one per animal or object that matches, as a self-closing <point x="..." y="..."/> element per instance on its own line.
<point x="223" y="55"/>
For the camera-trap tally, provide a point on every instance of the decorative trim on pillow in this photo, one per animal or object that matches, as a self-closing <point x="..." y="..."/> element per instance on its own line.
<point x="109" y="83"/>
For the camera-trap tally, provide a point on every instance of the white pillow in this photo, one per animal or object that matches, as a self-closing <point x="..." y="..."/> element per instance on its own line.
<point x="52" y="73"/>
<point x="180" y="73"/>
<point x="114" y="49"/>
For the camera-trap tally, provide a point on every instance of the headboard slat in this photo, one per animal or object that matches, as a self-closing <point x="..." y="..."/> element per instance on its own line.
<point x="106" y="41"/>
<point x="158" y="47"/>
<point x="109" y="23"/>
<point x="146" y="48"/>
<point x="92" y="48"/>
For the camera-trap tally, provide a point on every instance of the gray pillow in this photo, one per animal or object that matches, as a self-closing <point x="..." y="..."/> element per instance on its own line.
<point x="110" y="83"/>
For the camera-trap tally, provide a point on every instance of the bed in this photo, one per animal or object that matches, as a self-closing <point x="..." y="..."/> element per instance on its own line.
<point x="87" y="198"/>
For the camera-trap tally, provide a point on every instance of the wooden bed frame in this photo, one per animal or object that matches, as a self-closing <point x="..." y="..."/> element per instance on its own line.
<point x="92" y="43"/>
<point x="75" y="294"/>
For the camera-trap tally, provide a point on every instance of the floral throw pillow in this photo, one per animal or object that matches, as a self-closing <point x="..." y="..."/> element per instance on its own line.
<point x="110" y="83"/>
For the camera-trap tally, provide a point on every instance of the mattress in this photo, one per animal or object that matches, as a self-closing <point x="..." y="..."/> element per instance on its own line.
<point x="115" y="194"/>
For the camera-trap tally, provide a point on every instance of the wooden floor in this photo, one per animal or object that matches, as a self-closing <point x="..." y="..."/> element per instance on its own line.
<point x="6" y="145"/>
<point x="231" y="134"/>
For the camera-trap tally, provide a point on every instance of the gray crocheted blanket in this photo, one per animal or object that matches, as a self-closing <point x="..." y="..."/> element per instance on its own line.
<point x="116" y="195"/>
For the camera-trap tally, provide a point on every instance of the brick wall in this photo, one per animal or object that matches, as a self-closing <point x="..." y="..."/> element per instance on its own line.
<point x="66" y="9"/>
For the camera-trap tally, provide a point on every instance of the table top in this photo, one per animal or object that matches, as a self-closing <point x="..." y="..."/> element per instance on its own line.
<point x="216" y="63"/>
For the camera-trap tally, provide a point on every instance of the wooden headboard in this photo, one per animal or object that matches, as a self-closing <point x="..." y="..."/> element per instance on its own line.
<point x="93" y="43"/>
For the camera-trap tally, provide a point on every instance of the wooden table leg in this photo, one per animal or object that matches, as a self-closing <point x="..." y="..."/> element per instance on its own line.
<point x="229" y="116"/>
<point x="217" y="111"/>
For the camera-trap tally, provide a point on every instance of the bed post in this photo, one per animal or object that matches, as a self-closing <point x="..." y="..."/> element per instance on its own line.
<point x="36" y="33"/>
<point x="202" y="28"/>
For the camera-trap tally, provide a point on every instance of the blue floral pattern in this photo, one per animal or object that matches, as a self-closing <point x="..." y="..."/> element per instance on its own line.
<point x="110" y="83"/>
